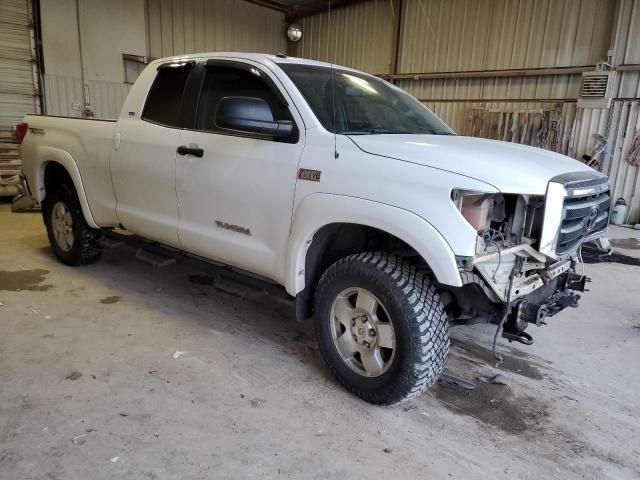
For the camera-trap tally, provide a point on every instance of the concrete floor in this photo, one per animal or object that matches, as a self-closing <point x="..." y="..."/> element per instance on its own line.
<point x="90" y="388"/>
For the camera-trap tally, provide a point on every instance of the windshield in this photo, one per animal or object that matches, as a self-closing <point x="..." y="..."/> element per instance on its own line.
<point x="364" y="105"/>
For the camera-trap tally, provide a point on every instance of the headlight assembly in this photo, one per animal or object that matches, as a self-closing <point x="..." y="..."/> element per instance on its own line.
<point x="479" y="209"/>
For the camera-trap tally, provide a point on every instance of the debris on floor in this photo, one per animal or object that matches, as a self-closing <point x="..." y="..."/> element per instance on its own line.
<point x="449" y="379"/>
<point x="80" y="439"/>
<point x="114" y="459"/>
<point x="178" y="354"/>
<point x="498" y="379"/>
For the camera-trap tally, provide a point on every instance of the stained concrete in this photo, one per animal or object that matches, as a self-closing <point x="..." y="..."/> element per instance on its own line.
<point x="90" y="388"/>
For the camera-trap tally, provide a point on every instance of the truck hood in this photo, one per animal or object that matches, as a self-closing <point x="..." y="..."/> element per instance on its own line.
<point x="509" y="167"/>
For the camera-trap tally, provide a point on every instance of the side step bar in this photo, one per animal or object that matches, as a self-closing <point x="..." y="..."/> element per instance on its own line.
<point x="153" y="258"/>
<point x="224" y="276"/>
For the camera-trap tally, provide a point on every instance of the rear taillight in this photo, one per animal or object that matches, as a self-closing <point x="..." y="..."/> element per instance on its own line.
<point x="21" y="131"/>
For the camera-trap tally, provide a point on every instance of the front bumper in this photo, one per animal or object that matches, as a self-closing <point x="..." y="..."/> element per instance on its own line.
<point x="533" y="271"/>
<point x="541" y="304"/>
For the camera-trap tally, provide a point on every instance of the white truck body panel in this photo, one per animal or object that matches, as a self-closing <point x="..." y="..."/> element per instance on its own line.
<point x="83" y="148"/>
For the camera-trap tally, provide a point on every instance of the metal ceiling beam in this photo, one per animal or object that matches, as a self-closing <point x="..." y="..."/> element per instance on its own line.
<point x="306" y="10"/>
<point x="272" y="4"/>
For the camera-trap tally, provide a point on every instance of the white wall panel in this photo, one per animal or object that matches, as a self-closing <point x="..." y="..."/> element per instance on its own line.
<point x="108" y="30"/>
<point x="189" y="26"/>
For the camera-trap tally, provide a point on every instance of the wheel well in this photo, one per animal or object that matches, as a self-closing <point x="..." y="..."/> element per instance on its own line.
<point x="55" y="174"/>
<point x="338" y="240"/>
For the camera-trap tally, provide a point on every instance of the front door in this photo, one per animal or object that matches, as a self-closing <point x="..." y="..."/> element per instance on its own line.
<point x="236" y="200"/>
<point x="144" y="160"/>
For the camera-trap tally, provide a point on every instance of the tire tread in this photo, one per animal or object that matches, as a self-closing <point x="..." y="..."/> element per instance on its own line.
<point x="428" y="326"/>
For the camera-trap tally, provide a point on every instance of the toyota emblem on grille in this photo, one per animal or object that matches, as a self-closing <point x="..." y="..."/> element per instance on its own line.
<point x="590" y="220"/>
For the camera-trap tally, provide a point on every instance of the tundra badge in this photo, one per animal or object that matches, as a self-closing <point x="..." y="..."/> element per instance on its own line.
<point x="233" y="228"/>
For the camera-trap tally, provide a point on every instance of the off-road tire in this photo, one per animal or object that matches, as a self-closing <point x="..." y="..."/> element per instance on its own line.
<point x="86" y="247"/>
<point x="417" y="315"/>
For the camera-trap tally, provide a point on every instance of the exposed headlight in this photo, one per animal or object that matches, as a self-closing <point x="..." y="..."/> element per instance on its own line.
<point x="479" y="208"/>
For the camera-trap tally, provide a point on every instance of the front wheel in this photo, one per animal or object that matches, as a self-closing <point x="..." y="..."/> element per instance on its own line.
<point x="73" y="241"/>
<point x="381" y="327"/>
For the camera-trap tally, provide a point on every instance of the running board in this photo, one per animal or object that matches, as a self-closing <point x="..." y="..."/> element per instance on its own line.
<point x="153" y="258"/>
<point x="109" y="243"/>
<point x="225" y="278"/>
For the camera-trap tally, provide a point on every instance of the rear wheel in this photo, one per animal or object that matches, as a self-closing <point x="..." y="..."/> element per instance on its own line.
<point x="73" y="241"/>
<point x="381" y="327"/>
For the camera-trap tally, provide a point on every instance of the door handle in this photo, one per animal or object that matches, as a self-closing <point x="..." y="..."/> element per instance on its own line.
<point x="195" y="151"/>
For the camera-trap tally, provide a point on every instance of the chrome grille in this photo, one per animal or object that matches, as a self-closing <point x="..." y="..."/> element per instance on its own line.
<point x="584" y="214"/>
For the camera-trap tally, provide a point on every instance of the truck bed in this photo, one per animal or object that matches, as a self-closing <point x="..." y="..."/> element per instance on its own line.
<point x="85" y="143"/>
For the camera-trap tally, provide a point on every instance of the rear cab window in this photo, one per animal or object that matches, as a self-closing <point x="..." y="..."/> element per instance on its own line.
<point x="163" y="105"/>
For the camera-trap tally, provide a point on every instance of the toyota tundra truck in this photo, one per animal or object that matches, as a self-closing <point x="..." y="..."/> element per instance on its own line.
<point x="335" y="186"/>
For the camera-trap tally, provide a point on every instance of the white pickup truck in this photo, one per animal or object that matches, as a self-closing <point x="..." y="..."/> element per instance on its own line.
<point x="384" y="225"/>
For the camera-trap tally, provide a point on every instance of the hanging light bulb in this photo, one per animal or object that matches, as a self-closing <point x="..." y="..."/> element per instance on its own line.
<point x="294" y="32"/>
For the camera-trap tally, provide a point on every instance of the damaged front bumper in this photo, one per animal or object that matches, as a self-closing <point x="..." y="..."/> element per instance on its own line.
<point x="531" y="286"/>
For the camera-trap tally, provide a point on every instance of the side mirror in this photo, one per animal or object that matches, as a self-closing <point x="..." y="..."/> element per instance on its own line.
<point x="251" y="115"/>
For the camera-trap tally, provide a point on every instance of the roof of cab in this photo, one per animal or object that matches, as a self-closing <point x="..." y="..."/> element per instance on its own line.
<point x="263" y="58"/>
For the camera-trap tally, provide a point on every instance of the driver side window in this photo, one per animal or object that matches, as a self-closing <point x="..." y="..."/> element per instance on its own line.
<point x="222" y="81"/>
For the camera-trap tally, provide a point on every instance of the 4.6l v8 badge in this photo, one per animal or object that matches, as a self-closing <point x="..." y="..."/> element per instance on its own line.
<point x="310" y="175"/>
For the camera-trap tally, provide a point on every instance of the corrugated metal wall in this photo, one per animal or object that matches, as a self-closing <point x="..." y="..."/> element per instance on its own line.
<point x="625" y="124"/>
<point x="475" y="35"/>
<point x="625" y="177"/>
<point x="189" y="26"/>
<point x="18" y="79"/>
<point x="455" y="35"/>
<point x="359" y="36"/>
<point x="63" y="93"/>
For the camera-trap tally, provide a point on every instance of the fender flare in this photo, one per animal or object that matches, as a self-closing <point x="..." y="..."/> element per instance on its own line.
<point x="48" y="155"/>
<point x="320" y="209"/>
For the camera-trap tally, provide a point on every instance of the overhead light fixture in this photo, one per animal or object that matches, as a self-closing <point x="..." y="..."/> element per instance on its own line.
<point x="294" y="32"/>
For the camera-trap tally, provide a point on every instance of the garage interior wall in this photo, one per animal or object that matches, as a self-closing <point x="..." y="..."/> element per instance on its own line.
<point x="151" y="28"/>
<point x="624" y="131"/>
<point x="449" y="36"/>
<point x="107" y="30"/>
<point x="19" y="89"/>
<point x="189" y="26"/>
<point x="464" y="59"/>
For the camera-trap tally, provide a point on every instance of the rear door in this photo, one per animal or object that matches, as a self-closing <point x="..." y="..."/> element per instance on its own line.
<point x="144" y="161"/>
<point x="236" y="199"/>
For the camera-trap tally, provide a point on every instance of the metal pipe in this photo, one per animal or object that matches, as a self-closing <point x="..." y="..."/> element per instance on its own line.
<point x="85" y="91"/>
<point x="522" y="72"/>
<point x="506" y="100"/>
<point x="628" y="67"/>
<point x="397" y="47"/>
